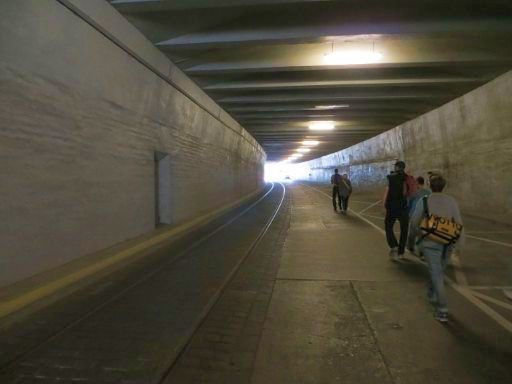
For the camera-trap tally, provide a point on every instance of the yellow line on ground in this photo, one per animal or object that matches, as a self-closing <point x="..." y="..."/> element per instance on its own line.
<point x="10" y="306"/>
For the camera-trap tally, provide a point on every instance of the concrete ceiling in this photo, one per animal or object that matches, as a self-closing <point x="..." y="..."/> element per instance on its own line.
<point x="266" y="62"/>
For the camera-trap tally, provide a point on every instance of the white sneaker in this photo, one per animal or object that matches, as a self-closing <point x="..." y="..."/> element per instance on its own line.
<point x="393" y="253"/>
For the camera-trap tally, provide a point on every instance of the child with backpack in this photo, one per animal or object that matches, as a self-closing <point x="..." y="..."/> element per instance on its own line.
<point x="436" y="229"/>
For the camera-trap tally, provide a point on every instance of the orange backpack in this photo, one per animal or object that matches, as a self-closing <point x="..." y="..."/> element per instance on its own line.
<point x="441" y="230"/>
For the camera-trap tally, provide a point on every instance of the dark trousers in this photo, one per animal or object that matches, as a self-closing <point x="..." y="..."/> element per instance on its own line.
<point x="344" y="202"/>
<point x="403" y="218"/>
<point x="336" y="194"/>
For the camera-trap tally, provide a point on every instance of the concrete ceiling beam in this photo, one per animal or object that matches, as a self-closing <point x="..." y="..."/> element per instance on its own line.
<point x="244" y="67"/>
<point x="265" y="85"/>
<point x="398" y="106"/>
<point x="253" y="34"/>
<point x="321" y="114"/>
<point x="268" y="63"/>
<point x="337" y="97"/>
<point x="175" y="5"/>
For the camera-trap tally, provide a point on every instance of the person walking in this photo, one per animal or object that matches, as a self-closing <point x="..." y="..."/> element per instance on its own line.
<point x="437" y="249"/>
<point x="345" y="189"/>
<point x="422" y="191"/>
<point x="335" y="182"/>
<point x="395" y="203"/>
<point x="412" y="188"/>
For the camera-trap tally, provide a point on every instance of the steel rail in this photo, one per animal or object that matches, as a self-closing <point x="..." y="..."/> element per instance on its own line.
<point x="165" y="372"/>
<point x="7" y="365"/>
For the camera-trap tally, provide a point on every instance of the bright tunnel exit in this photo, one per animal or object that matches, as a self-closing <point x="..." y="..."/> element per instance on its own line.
<point x="285" y="172"/>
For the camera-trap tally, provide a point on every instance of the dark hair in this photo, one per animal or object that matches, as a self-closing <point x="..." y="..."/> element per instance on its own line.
<point x="400" y="165"/>
<point x="437" y="183"/>
<point x="336" y="170"/>
<point x="420" y="180"/>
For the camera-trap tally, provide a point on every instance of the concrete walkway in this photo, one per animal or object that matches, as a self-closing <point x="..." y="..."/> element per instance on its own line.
<point x="317" y="300"/>
<point x="342" y="312"/>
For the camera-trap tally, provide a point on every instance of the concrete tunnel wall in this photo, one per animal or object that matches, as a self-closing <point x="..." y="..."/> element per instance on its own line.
<point x="469" y="140"/>
<point x="81" y="122"/>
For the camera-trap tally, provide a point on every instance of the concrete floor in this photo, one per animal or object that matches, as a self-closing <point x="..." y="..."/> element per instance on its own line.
<point x="316" y="301"/>
<point x="342" y="312"/>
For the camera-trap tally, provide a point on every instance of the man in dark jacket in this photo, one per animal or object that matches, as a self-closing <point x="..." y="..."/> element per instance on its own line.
<point x="395" y="202"/>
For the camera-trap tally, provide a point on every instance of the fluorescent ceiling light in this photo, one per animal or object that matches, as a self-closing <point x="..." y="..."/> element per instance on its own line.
<point x="352" y="57"/>
<point x="321" y="125"/>
<point x="310" y="143"/>
<point x="296" y="155"/>
<point x="324" y="107"/>
<point x="303" y="150"/>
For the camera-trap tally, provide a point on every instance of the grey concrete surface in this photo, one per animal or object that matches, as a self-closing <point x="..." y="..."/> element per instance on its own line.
<point x="81" y="120"/>
<point x="224" y="347"/>
<point x="309" y="305"/>
<point x="316" y="332"/>
<point x="330" y="322"/>
<point x="469" y="140"/>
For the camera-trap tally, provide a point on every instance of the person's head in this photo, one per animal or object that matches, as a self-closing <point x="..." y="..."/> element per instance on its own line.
<point x="421" y="181"/>
<point x="437" y="183"/>
<point x="345" y="176"/>
<point x="430" y="175"/>
<point x="336" y="170"/>
<point x="399" y="166"/>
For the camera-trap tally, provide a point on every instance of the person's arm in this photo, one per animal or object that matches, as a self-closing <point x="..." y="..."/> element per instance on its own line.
<point x="458" y="218"/>
<point x="349" y="187"/>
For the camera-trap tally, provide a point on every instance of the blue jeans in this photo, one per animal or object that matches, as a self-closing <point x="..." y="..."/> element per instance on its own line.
<point x="436" y="256"/>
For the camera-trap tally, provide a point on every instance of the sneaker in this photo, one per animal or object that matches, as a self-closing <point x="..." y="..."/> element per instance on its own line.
<point x="442" y="317"/>
<point x="393" y="253"/>
<point x="401" y="256"/>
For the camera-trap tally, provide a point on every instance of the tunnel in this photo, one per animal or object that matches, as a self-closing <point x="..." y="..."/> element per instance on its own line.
<point x="255" y="191"/>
